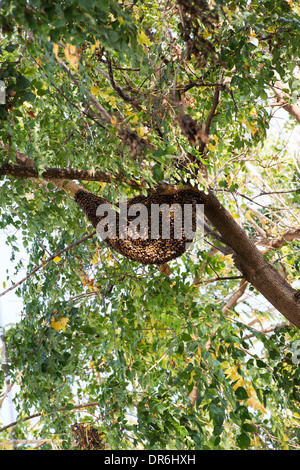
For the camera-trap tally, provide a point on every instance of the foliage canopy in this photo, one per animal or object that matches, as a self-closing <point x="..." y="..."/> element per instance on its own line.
<point x="148" y="360"/>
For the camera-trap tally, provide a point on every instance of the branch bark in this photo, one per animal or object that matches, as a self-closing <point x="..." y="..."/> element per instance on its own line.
<point x="235" y="297"/>
<point x="250" y="262"/>
<point x="22" y="171"/>
<point x="282" y="97"/>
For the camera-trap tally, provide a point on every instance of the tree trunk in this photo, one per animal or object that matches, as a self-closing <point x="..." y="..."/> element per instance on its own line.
<point x="251" y="263"/>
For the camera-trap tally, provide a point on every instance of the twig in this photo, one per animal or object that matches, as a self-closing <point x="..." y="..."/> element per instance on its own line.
<point x="120" y="90"/>
<point x="40" y="442"/>
<point x="217" y="279"/>
<point x="9" y="387"/>
<point x="92" y="100"/>
<point x="47" y="261"/>
<point x="37" y="415"/>
<point x="157" y="362"/>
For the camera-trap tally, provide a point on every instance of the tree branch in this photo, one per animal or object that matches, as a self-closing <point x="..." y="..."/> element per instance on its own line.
<point x="235" y="297"/>
<point x="37" y="415"/>
<point x="40" y="266"/>
<point x="288" y="236"/>
<point x="92" y="100"/>
<point x="211" y="114"/>
<point x="250" y="262"/>
<point x="119" y="89"/>
<point x="282" y="97"/>
<point x="22" y="171"/>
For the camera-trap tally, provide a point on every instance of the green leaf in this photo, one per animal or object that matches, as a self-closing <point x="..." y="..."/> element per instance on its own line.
<point x="243" y="441"/>
<point x="247" y="427"/>
<point x="241" y="393"/>
<point x="22" y="83"/>
<point x="158" y="174"/>
<point x="88" y="330"/>
<point x="217" y="414"/>
<point x="69" y="407"/>
<point x="29" y="96"/>
<point x="29" y="71"/>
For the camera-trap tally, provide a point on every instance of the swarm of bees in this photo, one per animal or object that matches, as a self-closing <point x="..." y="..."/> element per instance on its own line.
<point x="145" y="248"/>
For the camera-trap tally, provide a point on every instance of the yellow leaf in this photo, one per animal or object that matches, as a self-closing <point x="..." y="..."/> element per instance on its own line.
<point x="162" y="333"/>
<point x="114" y="121"/>
<point x="112" y="101"/>
<point x="141" y="131"/>
<point x="128" y="110"/>
<point x="106" y="93"/>
<point x="55" y="50"/>
<point x="95" y="46"/>
<point x="60" y="324"/>
<point x="57" y="259"/>
<point x="95" y="90"/>
<point x="72" y="55"/>
<point x="206" y="34"/>
<point x="193" y="373"/>
<point x="253" y="130"/>
<point x="143" y="38"/>
<point x="256" y="405"/>
<point x="229" y="259"/>
<point x="253" y="112"/>
<point x="134" y="118"/>
<point x="95" y="259"/>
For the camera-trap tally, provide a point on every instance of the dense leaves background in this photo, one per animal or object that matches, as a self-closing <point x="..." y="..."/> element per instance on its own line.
<point x="150" y="361"/>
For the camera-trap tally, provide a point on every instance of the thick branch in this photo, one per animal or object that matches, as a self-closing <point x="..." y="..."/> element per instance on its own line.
<point x="235" y="297"/>
<point x="282" y="97"/>
<point x="276" y="243"/>
<point x="20" y="171"/>
<point x="292" y="109"/>
<point x="286" y="237"/>
<point x="251" y="263"/>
